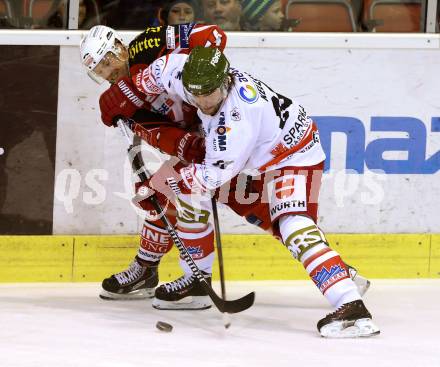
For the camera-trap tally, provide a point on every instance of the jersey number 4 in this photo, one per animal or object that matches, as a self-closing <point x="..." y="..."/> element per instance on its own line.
<point x="280" y="104"/>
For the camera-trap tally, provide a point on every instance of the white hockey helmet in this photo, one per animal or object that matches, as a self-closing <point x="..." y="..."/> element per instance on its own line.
<point x="95" y="45"/>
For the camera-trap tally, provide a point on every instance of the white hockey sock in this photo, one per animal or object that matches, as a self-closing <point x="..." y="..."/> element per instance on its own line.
<point x="342" y="292"/>
<point x="323" y="264"/>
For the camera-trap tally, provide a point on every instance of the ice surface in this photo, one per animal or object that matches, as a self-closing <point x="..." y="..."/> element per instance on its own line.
<point x="67" y="325"/>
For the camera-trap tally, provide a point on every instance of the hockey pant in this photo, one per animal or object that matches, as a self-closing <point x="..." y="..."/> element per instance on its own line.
<point x="287" y="206"/>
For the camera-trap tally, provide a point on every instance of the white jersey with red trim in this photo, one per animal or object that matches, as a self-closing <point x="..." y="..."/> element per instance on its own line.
<point x="255" y="129"/>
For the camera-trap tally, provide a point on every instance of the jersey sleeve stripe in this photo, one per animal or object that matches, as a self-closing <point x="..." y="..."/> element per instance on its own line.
<point x="308" y="137"/>
<point x="200" y="28"/>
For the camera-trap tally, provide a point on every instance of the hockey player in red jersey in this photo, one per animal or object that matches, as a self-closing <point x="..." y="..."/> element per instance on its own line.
<point x="169" y="125"/>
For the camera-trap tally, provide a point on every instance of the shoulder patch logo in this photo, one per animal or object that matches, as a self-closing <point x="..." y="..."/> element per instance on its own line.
<point x="248" y="94"/>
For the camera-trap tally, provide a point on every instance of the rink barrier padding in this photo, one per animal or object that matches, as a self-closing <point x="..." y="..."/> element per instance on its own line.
<point x="36" y="258"/>
<point x="246" y="257"/>
<point x="434" y="264"/>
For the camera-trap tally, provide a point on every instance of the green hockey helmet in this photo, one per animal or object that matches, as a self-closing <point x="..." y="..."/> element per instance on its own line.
<point x="205" y="70"/>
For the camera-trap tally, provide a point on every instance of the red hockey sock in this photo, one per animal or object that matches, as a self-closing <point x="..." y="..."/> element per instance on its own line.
<point x="155" y="242"/>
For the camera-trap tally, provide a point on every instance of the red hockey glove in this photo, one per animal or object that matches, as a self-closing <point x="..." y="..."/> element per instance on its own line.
<point x="141" y="198"/>
<point x="188" y="147"/>
<point x="146" y="83"/>
<point x="164" y="184"/>
<point x="211" y="36"/>
<point x="121" y="99"/>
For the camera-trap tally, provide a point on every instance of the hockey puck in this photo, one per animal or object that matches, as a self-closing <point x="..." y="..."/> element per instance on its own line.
<point x="163" y="326"/>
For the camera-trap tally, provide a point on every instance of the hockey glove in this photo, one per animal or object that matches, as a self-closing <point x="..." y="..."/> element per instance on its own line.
<point x="141" y="198"/>
<point x="146" y="83"/>
<point x="211" y="36"/>
<point x="164" y="184"/>
<point x="188" y="147"/>
<point x="122" y="99"/>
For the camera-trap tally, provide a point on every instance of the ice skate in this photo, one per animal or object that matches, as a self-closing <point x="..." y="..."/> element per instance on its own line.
<point x="351" y="320"/>
<point x="137" y="282"/>
<point x="362" y="283"/>
<point x="184" y="293"/>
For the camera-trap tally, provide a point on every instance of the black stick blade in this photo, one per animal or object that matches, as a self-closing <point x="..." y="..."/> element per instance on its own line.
<point x="232" y="306"/>
<point x="240" y="304"/>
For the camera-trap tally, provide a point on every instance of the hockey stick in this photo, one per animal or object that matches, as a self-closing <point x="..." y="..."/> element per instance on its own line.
<point x="234" y="306"/>
<point x="218" y="243"/>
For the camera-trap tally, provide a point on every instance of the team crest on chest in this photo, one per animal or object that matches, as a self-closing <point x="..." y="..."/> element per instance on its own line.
<point x="235" y="114"/>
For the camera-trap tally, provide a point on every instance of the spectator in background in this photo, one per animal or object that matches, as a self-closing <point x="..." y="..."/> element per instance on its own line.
<point x="263" y="15"/>
<point x="88" y="15"/>
<point x="179" y="12"/>
<point x="58" y="19"/>
<point x="132" y="14"/>
<point x="224" y="13"/>
<point x="8" y="19"/>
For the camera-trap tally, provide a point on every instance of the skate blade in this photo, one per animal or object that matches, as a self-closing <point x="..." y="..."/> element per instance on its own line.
<point x="187" y="303"/>
<point x="134" y="295"/>
<point x="340" y="329"/>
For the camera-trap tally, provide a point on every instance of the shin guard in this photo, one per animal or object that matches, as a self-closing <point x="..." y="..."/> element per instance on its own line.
<point x="323" y="264"/>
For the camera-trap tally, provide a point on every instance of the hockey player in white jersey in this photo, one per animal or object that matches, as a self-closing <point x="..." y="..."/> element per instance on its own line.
<point x="250" y="128"/>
